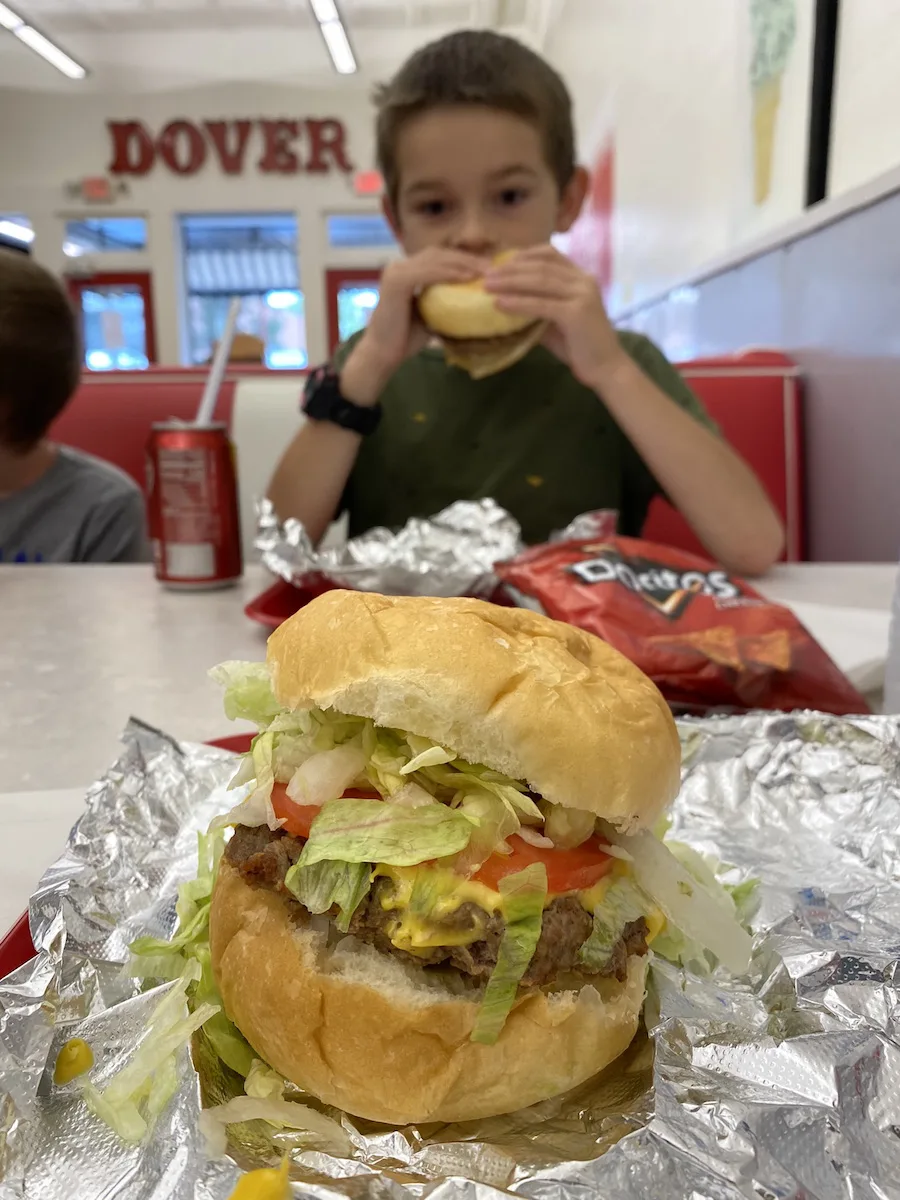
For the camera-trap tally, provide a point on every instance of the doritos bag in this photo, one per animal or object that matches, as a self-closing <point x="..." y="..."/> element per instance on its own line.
<point x="706" y="638"/>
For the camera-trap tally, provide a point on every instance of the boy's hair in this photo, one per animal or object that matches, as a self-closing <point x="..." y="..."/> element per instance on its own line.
<point x="40" y="350"/>
<point x="484" y="68"/>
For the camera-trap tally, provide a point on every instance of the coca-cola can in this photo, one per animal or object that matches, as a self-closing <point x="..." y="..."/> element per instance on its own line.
<point x="193" y="506"/>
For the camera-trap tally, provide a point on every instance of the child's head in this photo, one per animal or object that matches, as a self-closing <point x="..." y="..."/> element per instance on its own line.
<point x="477" y="146"/>
<point x="40" y="351"/>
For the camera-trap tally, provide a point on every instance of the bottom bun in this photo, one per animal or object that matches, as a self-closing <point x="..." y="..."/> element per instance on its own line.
<point x="482" y="357"/>
<point x="384" y="1041"/>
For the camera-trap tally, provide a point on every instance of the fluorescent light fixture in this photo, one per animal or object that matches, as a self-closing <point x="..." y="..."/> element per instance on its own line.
<point x="339" y="47"/>
<point x="9" y="19"/>
<point x="19" y="233"/>
<point x="49" y="51"/>
<point x="335" y="35"/>
<point x="324" y="11"/>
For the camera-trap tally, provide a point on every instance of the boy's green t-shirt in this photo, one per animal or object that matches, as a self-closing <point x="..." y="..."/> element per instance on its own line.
<point x="532" y="438"/>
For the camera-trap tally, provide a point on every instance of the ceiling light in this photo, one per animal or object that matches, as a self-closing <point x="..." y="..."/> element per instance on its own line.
<point x="339" y="47"/>
<point x="19" y="233"/>
<point x="324" y="10"/>
<point x="49" y="51"/>
<point x="9" y="19"/>
<point x="335" y="35"/>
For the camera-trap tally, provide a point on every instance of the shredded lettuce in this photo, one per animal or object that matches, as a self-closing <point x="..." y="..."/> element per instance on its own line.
<point x="188" y="951"/>
<point x="523" y="906"/>
<point x="327" y="774"/>
<point x="385" y="758"/>
<point x="699" y="909"/>
<point x="622" y="903"/>
<point x="322" y="884"/>
<point x="256" y="809"/>
<point x="426" y="754"/>
<point x="123" y="1119"/>
<point x="327" y="1134"/>
<point x="248" y="692"/>
<point x="493" y="822"/>
<point x="392" y="759"/>
<point x="738" y="903"/>
<point x="138" y="1093"/>
<point x="376" y="831"/>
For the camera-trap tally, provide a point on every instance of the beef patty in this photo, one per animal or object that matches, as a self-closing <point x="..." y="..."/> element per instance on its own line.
<point x="264" y="856"/>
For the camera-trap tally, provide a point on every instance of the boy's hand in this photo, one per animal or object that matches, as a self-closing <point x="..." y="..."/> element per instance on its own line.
<point x="540" y="282"/>
<point x="395" y="330"/>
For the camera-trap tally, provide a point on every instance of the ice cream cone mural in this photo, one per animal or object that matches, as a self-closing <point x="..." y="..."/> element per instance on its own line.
<point x="773" y="25"/>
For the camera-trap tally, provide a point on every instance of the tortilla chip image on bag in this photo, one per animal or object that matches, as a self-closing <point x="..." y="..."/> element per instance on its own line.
<point x="706" y="638"/>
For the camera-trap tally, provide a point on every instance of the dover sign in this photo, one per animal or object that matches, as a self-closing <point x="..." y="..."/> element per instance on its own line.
<point x="281" y="147"/>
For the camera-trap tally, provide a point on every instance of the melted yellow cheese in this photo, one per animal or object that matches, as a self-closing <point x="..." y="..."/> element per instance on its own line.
<point x="417" y="933"/>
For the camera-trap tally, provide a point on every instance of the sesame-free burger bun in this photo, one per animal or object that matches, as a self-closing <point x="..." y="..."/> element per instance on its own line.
<point x="362" y="1031"/>
<point x="475" y="334"/>
<point x="507" y="688"/>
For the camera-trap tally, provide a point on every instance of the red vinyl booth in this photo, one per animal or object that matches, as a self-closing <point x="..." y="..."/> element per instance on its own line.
<point x="754" y="397"/>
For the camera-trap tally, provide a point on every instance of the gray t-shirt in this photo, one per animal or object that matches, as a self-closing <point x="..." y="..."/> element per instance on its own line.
<point x="81" y="510"/>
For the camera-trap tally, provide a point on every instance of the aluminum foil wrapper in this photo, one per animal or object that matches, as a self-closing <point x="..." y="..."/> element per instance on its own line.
<point x="450" y="554"/>
<point x="783" y="1084"/>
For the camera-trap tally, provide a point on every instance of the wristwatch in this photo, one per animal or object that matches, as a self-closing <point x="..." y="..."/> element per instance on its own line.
<point x="323" y="401"/>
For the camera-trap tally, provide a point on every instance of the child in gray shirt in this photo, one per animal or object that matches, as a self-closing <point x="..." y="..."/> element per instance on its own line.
<point x="56" y="504"/>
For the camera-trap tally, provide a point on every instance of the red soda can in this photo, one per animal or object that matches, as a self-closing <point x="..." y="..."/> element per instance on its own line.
<point x="192" y="506"/>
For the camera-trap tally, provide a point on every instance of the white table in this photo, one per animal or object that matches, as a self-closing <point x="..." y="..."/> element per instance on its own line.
<point x="84" y="648"/>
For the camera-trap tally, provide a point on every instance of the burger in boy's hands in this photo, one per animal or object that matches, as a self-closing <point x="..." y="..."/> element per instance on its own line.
<point x="439" y="896"/>
<point x="475" y="334"/>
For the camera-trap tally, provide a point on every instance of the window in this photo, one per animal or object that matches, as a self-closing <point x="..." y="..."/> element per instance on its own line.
<point x="253" y="256"/>
<point x="358" y="231"/>
<point x="104" y="235"/>
<point x="16" y="232"/>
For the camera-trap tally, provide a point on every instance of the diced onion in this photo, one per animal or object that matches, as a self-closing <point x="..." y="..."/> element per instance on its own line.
<point x="567" y="827"/>
<point x="326" y="775"/>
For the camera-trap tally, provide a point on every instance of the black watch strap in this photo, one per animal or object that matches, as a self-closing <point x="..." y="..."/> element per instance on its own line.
<point x="323" y="401"/>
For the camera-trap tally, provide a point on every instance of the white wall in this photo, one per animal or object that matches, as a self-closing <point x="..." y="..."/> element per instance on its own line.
<point x="671" y="79"/>
<point x="48" y="140"/>
<point x="866" y="132"/>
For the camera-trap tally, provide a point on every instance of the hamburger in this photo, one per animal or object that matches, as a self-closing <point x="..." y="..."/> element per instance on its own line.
<point x="474" y="333"/>
<point x="440" y="891"/>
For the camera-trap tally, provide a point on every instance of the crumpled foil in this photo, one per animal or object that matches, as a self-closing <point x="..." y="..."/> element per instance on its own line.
<point x="783" y="1084"/>
<point x="450" y="554"/>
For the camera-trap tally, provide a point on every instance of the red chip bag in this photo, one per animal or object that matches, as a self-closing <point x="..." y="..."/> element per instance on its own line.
<point x="707" y="639"/>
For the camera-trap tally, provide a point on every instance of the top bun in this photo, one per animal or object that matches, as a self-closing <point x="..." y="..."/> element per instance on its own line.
<point x="536" y="699"/>
<point x="465" y="311"/>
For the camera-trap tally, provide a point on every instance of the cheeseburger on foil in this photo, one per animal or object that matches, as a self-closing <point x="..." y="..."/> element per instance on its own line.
<point x="439" y="895"/>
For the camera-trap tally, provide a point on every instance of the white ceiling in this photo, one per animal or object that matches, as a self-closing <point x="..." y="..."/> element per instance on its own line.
<point x="156" y="45"/>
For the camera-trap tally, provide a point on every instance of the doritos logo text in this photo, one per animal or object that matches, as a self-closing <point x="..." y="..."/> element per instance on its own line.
<point x="667" y="590"/>
<point x="708" y="640"/>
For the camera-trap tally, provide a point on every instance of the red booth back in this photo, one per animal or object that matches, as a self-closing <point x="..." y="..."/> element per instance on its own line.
<point x="755" y="398"/>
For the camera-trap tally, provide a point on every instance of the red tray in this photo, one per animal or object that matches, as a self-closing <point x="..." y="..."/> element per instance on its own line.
<point x="282" y="600"/>
<point x="16" y="947"/>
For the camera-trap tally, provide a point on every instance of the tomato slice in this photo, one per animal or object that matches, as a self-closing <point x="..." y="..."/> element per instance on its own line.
<point x="299" y="817"/>
<point x="567" y="870"/>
